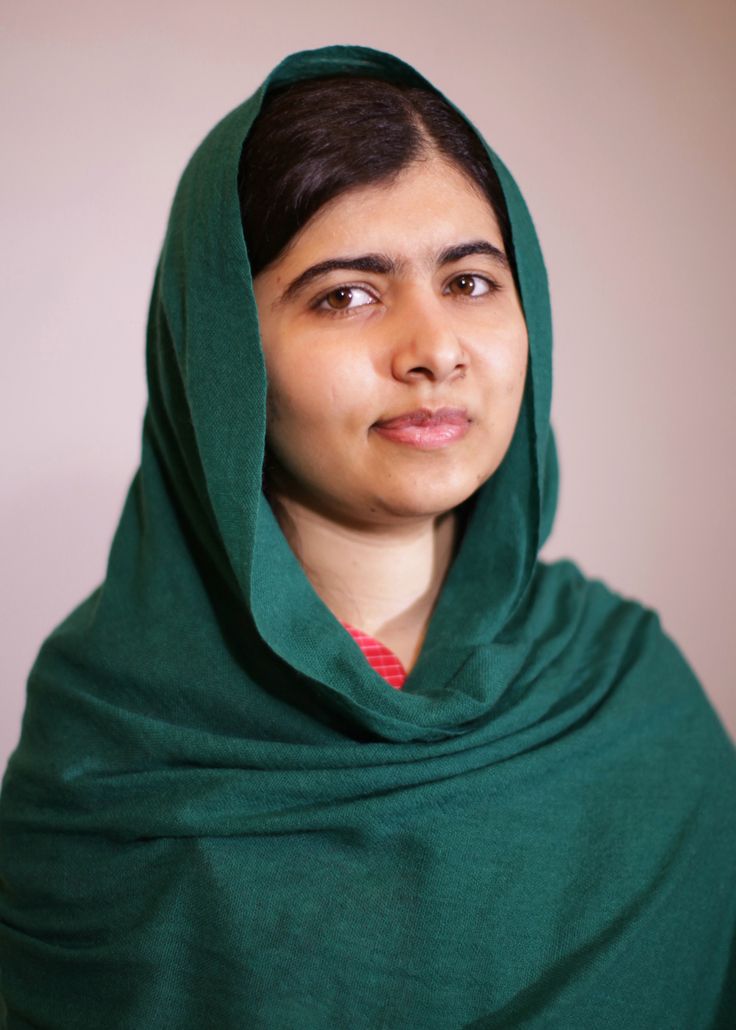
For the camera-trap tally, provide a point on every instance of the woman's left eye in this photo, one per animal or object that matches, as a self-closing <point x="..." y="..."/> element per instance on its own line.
<point x="472" y="285"/>
<point x="344" y="298"/>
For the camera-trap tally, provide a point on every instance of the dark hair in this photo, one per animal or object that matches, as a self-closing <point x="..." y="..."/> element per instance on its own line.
<point x="317" y="138"/>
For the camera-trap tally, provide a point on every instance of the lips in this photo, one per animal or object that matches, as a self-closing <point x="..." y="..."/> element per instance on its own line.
<point x="425" y="417"/>
<point x="426" y="430"/>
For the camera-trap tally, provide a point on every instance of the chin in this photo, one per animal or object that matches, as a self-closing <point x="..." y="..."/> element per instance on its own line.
<point x="427" y="500"/>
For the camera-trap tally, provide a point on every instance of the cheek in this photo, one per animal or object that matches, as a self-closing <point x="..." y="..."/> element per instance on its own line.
<point x="294" y="388"/>
<point x="518" y="367"/>
<point x="316" y="397"/>
<point x="506" y="364"/>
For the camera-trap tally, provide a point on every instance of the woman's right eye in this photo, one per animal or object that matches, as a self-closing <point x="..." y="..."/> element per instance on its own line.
<point x="344" y="298"/>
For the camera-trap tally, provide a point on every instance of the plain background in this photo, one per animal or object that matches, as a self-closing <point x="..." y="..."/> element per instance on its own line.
<point x="616" y="119"/>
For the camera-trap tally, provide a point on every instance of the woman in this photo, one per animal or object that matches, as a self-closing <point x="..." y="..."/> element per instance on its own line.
<point x="393" y="394"/>
<point x="220" y="813"/>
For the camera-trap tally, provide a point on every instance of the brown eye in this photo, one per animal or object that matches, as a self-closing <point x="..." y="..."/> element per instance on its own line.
<point x="340" y="298"/>
<point x="469" y="286"/>
<point x="344" y="298"/>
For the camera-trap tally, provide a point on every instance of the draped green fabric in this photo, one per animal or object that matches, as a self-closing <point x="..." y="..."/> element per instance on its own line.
<point x="219" y="815"/>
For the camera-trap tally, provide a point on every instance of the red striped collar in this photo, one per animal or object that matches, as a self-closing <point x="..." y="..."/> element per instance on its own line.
<point x="380" y="657"/>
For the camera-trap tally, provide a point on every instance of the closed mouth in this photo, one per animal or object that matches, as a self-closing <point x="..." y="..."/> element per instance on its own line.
<point x="426" y="417"/>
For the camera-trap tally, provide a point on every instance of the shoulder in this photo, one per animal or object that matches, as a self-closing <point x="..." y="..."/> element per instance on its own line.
<point x="648" y="689"/>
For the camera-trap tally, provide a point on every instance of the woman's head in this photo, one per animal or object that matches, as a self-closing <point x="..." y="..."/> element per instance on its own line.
<point x="385" y="288"/>
<point x="318" y="138"/>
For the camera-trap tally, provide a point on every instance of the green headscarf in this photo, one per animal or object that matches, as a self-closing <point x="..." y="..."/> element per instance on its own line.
<point x="220" y="816"/>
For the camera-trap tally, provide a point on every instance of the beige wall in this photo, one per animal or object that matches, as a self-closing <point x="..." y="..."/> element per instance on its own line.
<point x="615" y="117"/>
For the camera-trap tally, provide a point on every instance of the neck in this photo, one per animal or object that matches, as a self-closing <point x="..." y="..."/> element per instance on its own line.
<point x="383" y="580"/>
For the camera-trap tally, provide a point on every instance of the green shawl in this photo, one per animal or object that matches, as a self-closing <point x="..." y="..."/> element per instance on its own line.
<point x="220" y="816"/>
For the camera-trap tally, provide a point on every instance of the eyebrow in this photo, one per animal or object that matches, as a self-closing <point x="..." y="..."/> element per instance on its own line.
<point x="382" y="264"/>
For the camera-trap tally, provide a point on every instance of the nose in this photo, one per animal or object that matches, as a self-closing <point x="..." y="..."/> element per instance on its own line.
<point x="426" y="344"/>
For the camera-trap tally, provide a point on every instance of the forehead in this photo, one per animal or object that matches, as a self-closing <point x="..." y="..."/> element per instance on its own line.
<point x="429" y="205"/>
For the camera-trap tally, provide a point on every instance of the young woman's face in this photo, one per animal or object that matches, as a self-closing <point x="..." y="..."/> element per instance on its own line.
<point x="395" y="350"/>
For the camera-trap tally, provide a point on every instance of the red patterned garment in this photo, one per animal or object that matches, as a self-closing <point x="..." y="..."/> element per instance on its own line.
<point x="382" y="658"/>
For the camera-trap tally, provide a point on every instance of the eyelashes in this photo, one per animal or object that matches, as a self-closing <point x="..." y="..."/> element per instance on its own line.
<point x="341" y="300"/>
<point x="344" y="295"/>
